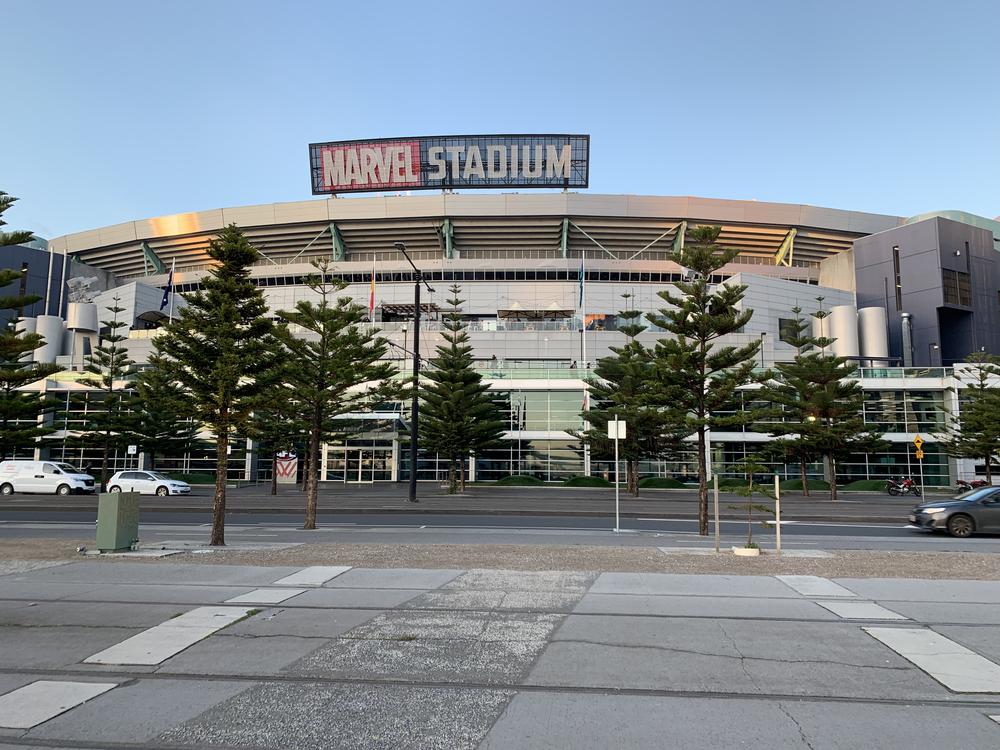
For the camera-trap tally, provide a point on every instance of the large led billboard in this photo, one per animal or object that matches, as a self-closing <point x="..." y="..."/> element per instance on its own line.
<point x="450" y="162"/>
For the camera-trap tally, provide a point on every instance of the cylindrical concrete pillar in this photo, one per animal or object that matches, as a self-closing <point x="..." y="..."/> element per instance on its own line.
<point x="27" y="325"/>
<point x="873" y="323"/>
<point x="81" y="316"/>
<point x="50" y="327"/>
<point x="843" y="320"/>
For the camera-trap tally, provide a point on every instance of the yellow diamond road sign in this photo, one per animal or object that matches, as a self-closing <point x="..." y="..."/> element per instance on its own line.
<point x="920" y="455"/>
<point x="918" y="441"/>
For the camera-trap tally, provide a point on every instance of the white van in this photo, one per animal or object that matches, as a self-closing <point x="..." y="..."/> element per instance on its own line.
<point x="49" y="477"/>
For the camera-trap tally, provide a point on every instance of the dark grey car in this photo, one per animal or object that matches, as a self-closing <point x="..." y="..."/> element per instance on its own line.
<point x="964" y="515"/>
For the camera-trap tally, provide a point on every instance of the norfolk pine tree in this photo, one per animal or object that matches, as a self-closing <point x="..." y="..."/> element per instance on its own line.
<point x="108" y="370"/>
<point x="161" y="425"/>
<point x="216" y="347"/>
<point x="19" y="412"/>
<point x="458" y="416"/>
<point x="334" y="368"/>
<point x="693" y="377"/>
<point x="975" y="433"/>
<point x="619" y="388"/>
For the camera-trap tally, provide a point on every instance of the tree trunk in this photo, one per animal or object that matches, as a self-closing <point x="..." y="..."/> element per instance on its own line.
<point x="305" y="465"/>
<point x="452" y="484"/>
<point x="989" y="472"/>
<point x="104" y="466"/>
<point x="152" y="460"/>
<point x="632" y="477"/>
<point x="219" y="502"/>
<point x="702" y="484"/>
<point x="312" y="478"/>
<point x="461" y="475"/>
<point x="805" y="479"/>
<point x="274" y="471"/>
<point x="832" y="463"/>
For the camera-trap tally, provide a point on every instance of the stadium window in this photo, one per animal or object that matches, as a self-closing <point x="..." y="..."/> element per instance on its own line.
<point x="786" y="330"/>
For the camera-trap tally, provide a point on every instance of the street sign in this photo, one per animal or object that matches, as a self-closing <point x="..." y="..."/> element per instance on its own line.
<point x="918" y="441"/>
<point x="133" y="450"/>
<point x="920" y="455"/>
<point x="616" y="429"/>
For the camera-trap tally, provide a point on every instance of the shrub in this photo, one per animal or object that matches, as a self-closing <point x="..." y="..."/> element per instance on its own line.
<point x="519" y="481"/>
<point x="661" y="483"/>
<point x="587" y="482"/>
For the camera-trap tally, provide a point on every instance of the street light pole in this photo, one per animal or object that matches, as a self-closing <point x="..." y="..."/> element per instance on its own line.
<point x="418" y="279"/>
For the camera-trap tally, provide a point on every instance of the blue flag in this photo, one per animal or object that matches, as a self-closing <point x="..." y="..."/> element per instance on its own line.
<point x="167" y="290"/>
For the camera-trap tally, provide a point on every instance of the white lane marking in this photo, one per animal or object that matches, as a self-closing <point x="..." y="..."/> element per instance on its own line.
<point x="951" y="664"/>
<point x="265" y="596"/>
<point x="860" y="610"/>
<point x="315" y="575"/>
<point x="815" y="586"/>
<point x="40" y="701"/>
<point x="169" y="638"/>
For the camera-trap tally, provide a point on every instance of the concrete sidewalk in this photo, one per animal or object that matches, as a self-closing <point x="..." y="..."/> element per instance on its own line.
<point x="171" y="654"/>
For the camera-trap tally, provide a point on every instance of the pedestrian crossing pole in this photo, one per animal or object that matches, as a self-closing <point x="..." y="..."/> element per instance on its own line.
<point x="919" y="442"/>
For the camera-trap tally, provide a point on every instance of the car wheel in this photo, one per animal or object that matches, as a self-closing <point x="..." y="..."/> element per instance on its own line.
<point x="162" y="491"/>
<point x="63" y="489"/>
<point x="961" y="525"/>
<point x="116" y="488"/>
<point x="7" y="489"/>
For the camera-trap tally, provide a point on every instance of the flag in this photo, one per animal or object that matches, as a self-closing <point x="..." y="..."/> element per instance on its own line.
<point x="169" y="288"/>
<point x="371" y="294"/>
<point x="581" y="283"/>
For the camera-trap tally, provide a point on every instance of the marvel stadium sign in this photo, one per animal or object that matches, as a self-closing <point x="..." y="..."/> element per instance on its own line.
<point x="450" y="161"/>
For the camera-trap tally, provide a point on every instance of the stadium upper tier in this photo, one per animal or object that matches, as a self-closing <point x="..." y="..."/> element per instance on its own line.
<point x="476" y="226"/>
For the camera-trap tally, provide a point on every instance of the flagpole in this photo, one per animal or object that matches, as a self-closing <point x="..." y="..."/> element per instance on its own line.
<point x="583" y="309"/>
<point x="173" y="267"/>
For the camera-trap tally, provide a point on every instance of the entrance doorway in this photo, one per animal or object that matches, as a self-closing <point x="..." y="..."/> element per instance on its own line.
<point x="357" y="465"/>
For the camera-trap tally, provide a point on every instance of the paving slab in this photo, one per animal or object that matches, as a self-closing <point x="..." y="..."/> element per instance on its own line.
<point x="728" y="656"/>
<point x="860" y="610"/>
<point x="950" y="663"/>
<point x="521" y="580"/>
<point x="52" y="648"/>
<point x="159" y="643"/>
<point x="40" y="701"/>
<point x="138" y="712"/>
<point x="170" y="572"/>
<point x="394" y="578"/>
<point x="7" y="567"/>
<point x="41" y="591"/>
<point x="242" y="655"/>
<point x="314" y="575"/>
<point x="347" y="717"/>
<point x="922" y="590"/>
<point x="985" y="641"/>
<point x="815" y="586"/>
<point x="540" y="601"/>
<point x="702" y="606"/>
<point x="955" y="612"/>
<point x="265" y="596"/>
<point x="594" y="722"/>
<point x="156" y="593"/>
<point x="437" y="646"/>
<point x="661" y="584"/>
<point x="91" y="614"/>
<point x="354" y="598"/>
<point x="311" y="623"/>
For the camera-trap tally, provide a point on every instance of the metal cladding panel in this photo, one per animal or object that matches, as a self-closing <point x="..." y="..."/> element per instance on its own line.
<point x="827" y="218"/>
<point x="601" y="205"/>
<point x="118" y="233"/>
<point x="179" y="224"/>
<point x="873" y="324"/>
<point x="773" y="213"/>
<point x="342" y="209"/>
<point x="249" y="216"/>
<point x="844" y="328"/>
<point x="301" y="211"/>
<point x="83" y="240"/>
<point x="716" y="210"/>
<point x="651" y="206"/>
<point x="863" y="223"/>
<point x="475" y="205"/>
<point x="50" y="327"/>
<point x="415" y="206"/>
<point x="534" y="205"/>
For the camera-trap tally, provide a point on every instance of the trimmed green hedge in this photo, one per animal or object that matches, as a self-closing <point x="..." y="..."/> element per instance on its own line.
<point x="191" y="478"/>
<point x="661" y="483"/>
<point x="519" y="481"/>
<point x="865" y="485"/>
<point x="587" y="482"/>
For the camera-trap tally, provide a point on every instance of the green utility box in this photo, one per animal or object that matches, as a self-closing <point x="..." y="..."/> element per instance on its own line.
<point x="117" y="521"/>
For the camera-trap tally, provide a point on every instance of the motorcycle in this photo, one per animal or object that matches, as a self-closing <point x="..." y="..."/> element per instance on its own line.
<point x="964" y="485"/>
<point x="902" y="487"/>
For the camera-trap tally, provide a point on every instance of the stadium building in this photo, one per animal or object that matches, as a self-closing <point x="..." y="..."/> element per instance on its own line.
<point x="543" y="277"/>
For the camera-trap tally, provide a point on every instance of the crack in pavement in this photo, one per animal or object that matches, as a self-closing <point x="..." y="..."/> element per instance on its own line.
<point x="742" y="657"/>
<point x="798" y="726"/>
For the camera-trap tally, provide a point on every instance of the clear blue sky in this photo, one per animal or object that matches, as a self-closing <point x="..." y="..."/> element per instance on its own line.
<point x="111" y="111"/>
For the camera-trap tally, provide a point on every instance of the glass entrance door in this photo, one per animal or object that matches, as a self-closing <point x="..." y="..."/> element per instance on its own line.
<point x="358" y="465"/>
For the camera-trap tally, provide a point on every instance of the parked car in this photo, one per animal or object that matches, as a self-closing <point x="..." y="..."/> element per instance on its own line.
<point x="46" y="477"/>
<point x="962" y="516"/>
<point x="147" y="483"/>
